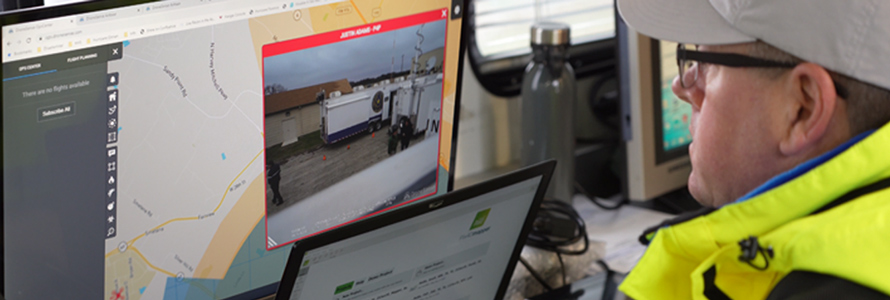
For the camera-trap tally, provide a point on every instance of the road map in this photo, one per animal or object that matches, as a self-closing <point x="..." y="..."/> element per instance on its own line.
<point x="191" y="164"/>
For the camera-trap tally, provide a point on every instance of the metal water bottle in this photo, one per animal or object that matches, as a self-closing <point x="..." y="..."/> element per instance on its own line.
<point x="547" y="104"/>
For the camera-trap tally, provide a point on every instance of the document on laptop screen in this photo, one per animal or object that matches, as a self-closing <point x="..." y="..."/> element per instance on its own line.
<point x="457" y="253"/>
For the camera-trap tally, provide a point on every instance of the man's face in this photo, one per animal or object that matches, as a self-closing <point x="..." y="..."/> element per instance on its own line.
<point x="735" y="127"/>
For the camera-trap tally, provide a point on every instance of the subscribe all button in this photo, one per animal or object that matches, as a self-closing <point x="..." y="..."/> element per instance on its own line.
<point x="56" y="112"/>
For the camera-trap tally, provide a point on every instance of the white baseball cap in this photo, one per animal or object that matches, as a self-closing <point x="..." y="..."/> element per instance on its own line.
<point x="851" y="37"/>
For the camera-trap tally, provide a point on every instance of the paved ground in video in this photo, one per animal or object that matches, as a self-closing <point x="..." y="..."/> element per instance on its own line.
<point x="308" y="173"/>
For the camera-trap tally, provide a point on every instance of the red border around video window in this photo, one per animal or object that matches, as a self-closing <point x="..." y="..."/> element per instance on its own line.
<point x="336" y="36"/>
<point x="352" y="33"/>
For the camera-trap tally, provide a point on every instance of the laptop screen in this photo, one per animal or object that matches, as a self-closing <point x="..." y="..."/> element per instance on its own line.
<point x="461" y="252"/>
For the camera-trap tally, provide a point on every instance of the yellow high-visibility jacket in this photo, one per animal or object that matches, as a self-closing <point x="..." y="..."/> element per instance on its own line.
<point x="833" y="219"/>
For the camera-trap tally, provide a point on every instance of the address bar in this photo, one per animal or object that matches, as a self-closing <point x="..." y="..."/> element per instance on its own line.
<point x="122" y="24"/>
<point x="185" y="15"/>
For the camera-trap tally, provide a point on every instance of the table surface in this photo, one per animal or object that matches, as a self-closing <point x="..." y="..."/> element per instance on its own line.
<point x="613" y="238"/>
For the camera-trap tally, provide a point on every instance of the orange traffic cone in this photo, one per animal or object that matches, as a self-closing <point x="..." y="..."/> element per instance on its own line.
<point x="372" y="134"/>
<point x="347" y="147"/>
<point x="324" y="157"/>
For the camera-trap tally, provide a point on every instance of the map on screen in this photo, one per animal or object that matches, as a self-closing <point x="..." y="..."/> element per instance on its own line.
<point x="210" y="113"/>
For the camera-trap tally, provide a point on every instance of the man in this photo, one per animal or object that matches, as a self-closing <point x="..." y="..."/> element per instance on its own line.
<point x="406" y="131"/>
<point x="393" y="142"/>
<point x="790" y="150"/>
<point x="273" y="176"/>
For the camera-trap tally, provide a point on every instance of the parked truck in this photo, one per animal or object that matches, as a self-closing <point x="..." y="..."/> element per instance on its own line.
<point x="368" y="109"/>
<point x="415" y="99"/>
<point x="364" y="110"/>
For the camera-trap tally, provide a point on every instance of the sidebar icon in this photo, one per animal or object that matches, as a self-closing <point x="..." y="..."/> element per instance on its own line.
<point x="113" y="123"/>
<point x="111" y="193"/>
<point x="112" y="101"/>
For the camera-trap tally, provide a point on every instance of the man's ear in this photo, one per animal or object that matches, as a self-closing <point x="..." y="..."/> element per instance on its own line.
<point x="813" y="105"/>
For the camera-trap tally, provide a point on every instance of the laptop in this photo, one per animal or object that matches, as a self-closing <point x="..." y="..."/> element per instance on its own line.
<point x="460" y="246"/>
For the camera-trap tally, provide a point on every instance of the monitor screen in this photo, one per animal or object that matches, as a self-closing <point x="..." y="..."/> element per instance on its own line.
<point x="672" y="113"/>
<point x="168" y="150"/>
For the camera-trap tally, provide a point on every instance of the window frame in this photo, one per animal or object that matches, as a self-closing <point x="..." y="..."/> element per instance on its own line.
<point x="501" y="74"/>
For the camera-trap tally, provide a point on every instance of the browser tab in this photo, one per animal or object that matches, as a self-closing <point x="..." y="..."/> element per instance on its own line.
<point x="53" y="24"/>
<point x="99" y="17"/>
<point x="164" y="5"/>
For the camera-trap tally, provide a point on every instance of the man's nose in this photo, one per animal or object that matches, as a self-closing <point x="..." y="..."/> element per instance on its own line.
<point x="691" y="95"/>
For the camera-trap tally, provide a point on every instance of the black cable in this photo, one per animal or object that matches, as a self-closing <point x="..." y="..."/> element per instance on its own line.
<point x="542" y="240"/>
<point x="552" y="233"/>
<point x="596" y="200"/>
<point x="609" y="285"/>
<point x="607" y="141"/>
<point x="535" y="274"/>
<point x="562" y="266"/>
<point x="605" y="105"/>
<point x="603" y="264"/>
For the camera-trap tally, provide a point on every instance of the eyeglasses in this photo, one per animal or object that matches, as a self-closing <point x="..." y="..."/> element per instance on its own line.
<point x="688" y="57"/>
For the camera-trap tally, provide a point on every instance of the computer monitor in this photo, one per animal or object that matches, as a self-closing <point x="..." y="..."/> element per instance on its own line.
<point x="139" y="137"/>
<point x="655" y="123"/>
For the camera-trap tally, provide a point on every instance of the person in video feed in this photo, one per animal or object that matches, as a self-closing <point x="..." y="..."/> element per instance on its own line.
<point x="405" y="131"/>
<point x="393" y="142"/>
<point x="790" y="150"/>
<point x="273" y="175"/>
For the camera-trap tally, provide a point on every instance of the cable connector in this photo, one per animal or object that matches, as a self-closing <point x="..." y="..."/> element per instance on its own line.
<point x="555" y="225"/>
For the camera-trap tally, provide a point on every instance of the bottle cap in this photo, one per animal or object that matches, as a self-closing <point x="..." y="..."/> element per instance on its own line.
<point x="550" y="33"/>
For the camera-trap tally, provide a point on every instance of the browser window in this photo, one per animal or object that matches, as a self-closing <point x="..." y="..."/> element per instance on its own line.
<point x="138" y="144"/>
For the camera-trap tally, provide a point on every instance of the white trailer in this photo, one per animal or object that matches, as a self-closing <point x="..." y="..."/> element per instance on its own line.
<point x="364" y="110"/>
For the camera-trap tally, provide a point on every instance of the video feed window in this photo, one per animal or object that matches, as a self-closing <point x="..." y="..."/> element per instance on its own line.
<point x="352" y="123"/>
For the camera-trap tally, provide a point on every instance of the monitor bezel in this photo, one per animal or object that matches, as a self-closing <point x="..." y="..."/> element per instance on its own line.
<point x="645" y="177"/>
<point x="544" y="169"/>
<point x="41" y="13"/>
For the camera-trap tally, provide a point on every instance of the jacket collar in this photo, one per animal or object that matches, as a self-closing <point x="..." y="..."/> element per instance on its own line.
<point x="804" y="189"/>
<point x="804" y="167"/>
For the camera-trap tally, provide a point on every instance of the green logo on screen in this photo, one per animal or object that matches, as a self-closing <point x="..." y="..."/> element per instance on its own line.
<point x="480" y="218"/>
<point x="344" y="287"/>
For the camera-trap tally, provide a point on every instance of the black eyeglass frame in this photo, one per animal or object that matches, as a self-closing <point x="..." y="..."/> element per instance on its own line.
<point x="736" y="61"/>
